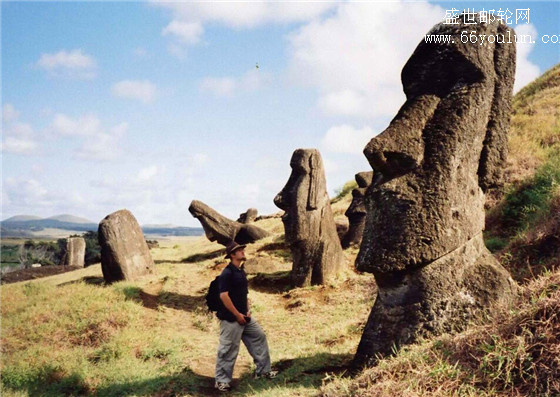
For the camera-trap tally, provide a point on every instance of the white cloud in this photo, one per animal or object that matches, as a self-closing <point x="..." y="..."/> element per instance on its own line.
<point x="9" y="113"/>
<point x="228" y="86"/>
<point x="103" y="146"/>
<point x="346" y="139"/>
<point x="143" y="90"/>
<point x="187" y="26"/>
<point x="26" y="192"/>
<point x="85" y="125"/>
<point x="218" y="86"/>
<point x="147" y="174"/>
<point x="345" y="102"/>
<point x="73" y="63"/>
<point x="246" y="14"/>
<point x="19" y="145"/>
<point x="354" y="57"/>
<point x="18" y="138"/>
<point x="185" y="32"/>
<point x="99" y="143"/>
<point x="525" y="71"/>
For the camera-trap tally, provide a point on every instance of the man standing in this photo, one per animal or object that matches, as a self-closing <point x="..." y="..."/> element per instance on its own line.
<point x="236" y="324"/>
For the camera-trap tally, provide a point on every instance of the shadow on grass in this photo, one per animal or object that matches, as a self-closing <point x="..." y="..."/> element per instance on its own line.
<point x="204" y="256"/>
<point x="90" y="280"/>
<point x="308" y="371"/>
<point x="185" y="383"/>
<point x="169" y="299"/>
<point x="53" y="381"/>
<point x="275" y="283"/>
<point x="45" y="380"/>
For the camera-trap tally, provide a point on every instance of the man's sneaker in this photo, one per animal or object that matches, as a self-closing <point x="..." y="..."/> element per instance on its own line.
<point x="267" y="375"/>
<point x="222" y="386"/>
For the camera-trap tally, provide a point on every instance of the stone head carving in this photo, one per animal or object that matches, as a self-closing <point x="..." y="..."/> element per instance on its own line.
<point x="304" y="193"/>
<point x="425" y="206"/>
<point x="308" y="220"/>
<point x="440" y="152"/>
<point x="356" y="212"/>
<point x="223" y="230"/>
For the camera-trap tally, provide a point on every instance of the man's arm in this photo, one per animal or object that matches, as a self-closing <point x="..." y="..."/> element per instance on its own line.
<point x="224" y="296"/>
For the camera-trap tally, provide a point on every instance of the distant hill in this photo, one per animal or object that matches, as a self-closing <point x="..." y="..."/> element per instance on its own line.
<point x="69" y="219"/>
<point x="28" y="226"/>
<point x="22" y="218"/>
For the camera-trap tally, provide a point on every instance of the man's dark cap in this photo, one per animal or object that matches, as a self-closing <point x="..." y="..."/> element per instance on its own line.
<point x="233" y="246"/>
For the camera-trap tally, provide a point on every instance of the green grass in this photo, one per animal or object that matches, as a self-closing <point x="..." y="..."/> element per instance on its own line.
<point x="71" y="334"/>
<point x="344" y="191"/>
<point x="530" y="202"/>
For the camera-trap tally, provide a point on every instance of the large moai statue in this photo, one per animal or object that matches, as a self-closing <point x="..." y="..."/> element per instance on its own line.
<point x="223" y="230"/>
<point x="442" y="151"/>
<point x="356" y="212"/>
<point x="124" y="252"/>
<point x="308" y="221"/>
<point x="75" y="252"/>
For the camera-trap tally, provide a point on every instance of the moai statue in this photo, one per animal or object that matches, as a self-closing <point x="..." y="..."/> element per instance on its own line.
<point x="445" y="147"/>
<point x="308" y="221"/>
<point x="248" y="216"/>
<point x="124" y="252"/>
<point x="356" y="212"/>
<point x="75" y="252"/>
<point x="223" y="230"/>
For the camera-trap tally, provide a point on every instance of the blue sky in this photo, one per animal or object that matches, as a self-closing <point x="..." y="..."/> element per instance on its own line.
<point x="147" y="106"/>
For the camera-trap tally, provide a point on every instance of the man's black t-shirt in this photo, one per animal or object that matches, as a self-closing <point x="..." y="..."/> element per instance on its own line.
<point x="233" y="281"/>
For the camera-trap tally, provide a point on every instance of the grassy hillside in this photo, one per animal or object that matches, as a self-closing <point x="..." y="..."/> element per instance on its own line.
<point x="71" y="334"/>
<point x="523" y="228"/>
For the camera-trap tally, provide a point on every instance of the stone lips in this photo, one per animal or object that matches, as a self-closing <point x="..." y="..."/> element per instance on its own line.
<point x="75" y="252"/>
<point x="309" y="224"/>
<point x="425" y="207"/>
<point x="224" y="230"/>
<point x="124" y="251"/>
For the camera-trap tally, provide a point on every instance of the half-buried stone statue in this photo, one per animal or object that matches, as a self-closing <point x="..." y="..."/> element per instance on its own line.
<point x="224" y="230"/>
<point x="423" y="235"/>
<point x="356" y="212"/>
<point x="248" y="216"/>
<point x="75" y="252"/>
<point x="308" y="221"/>
<point x="124" y="252"/>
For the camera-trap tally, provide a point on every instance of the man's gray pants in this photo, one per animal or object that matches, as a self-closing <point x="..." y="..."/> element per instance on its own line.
<point x="231" y="335"/>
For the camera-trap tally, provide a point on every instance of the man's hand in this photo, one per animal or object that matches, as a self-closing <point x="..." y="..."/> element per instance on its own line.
<point x="240" y="319"/>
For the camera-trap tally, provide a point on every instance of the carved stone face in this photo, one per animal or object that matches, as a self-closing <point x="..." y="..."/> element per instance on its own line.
<point x="437" y="154"/>
<point x="303" y="194"/>
<point x="216" y="226"/>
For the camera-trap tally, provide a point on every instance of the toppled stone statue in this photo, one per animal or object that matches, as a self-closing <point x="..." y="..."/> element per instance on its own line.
<point x="248" y="216"/>
<point x="423" y="234"/>
<point x="308" y="221"/>
<point x="223" y="230"/>
<point x="124" y="252"/>
<point x="356" y="212"/>
<point x="75" y="252"/>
